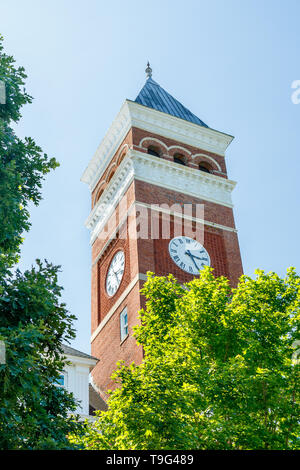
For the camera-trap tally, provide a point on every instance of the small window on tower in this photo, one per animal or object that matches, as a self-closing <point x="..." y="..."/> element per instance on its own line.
<point x="153" y="151"/>
<point x="204" y="167"/>
<point x="179" y="159"/>
<point x="123" y="324"/>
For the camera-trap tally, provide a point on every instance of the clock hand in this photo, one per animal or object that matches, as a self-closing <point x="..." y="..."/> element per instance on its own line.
<point x="189" y="254"/>
<point x="118" y="270"/>
<point x="118" y="274"/>
<point x="194" y="256"/>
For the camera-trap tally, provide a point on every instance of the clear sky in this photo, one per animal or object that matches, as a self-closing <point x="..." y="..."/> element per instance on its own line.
<point x="230" y="62"/>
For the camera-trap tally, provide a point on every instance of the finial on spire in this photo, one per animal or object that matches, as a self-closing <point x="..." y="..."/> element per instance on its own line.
<point x="148" y="70"/>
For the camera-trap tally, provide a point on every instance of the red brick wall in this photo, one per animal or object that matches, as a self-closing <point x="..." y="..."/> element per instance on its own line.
<point x="151" y="194"/>
<point x="100" y="302"/>
<point x="232" y="248"/>
<point x="107" y="345"/>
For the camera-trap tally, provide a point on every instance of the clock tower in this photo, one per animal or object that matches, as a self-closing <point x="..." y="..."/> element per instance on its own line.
<point x="161" y="202"/>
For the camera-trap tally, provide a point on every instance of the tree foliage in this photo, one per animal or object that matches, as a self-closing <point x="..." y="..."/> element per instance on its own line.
<point x="218" y="371"/>
<point x="23" y="165"/>
<point x="34" y="412"/>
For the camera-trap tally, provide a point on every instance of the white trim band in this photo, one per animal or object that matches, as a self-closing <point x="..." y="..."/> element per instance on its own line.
<point x="159" y="172"/>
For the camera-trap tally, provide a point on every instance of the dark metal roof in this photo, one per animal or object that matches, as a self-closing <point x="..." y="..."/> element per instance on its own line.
<point x="154" y="96"/>
<point x="74" y="352"/>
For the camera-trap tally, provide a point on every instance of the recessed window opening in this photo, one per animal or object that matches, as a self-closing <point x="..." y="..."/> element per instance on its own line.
<point x="204" y="167"/>
<point x="153" y="151"/>
<point x="123" y="324"/>
<point x="179" y="159"/>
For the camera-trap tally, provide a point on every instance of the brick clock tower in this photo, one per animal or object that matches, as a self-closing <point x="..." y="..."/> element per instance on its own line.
<point x="158" y="170"/>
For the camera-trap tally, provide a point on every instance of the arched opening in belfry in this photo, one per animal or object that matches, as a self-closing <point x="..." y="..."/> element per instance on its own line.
<point x="153" y="151"/>
<point x="178" y="158"/>
<point x="203" y="166"/>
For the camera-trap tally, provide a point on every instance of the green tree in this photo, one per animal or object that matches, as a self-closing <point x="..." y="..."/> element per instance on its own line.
<point x="218" y="371"/>
<point x="34" y="412"/>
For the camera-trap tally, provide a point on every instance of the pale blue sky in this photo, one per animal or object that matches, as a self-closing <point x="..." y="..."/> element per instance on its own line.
<point x="230" y="62"/>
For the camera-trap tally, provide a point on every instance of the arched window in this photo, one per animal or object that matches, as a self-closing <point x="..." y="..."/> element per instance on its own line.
<point x="99" y="193"/>
<point x="111" y="175"/>
<point x="153" y="151"/>
<point x="98" y="196"/>
<point x="121" y="158"/>
<point x="205" y="167"/>
<point x="179" y="159"/>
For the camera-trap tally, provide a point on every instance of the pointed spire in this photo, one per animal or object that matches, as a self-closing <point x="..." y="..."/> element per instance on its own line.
<point x="148" y="70"/>
<point x="154" y="96"/>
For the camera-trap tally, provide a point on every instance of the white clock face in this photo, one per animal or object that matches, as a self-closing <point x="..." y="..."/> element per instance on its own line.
<point x="188" y="254"/>
<point x="115" y="273"/>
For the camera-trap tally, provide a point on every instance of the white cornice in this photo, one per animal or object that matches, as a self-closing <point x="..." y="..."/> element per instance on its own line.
<point x="178" y="129"/>
<point x="135" y="115"/>
<point x="159" y="172"/>
<point x="182" y="179"/>
<point x="108" y="147"/>
<point x="110" y="197"/>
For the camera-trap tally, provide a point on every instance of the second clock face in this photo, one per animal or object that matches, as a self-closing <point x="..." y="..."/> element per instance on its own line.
<point x="115" y="273"/>
<point x="188" y="254"/>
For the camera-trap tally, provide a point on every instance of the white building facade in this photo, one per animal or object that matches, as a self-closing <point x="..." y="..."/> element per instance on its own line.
<point x="76" y="378"/>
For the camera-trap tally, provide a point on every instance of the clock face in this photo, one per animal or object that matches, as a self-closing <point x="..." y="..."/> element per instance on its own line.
<point x="188" y="254"/>
<point x="115" y="273"/>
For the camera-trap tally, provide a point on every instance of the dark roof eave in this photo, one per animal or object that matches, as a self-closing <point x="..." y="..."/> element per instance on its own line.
<point x="68" y="350"/>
